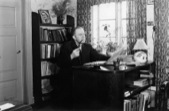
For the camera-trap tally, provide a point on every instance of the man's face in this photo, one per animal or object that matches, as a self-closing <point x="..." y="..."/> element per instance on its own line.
<point x="79" y="35"/>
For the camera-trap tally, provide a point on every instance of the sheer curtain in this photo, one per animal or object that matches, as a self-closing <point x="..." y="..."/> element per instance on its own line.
<point x="84" y="14"/>
<point x="136" y="25"/>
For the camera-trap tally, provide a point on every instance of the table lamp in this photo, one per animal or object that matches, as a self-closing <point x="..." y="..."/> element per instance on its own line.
<point x="140" y="51"/>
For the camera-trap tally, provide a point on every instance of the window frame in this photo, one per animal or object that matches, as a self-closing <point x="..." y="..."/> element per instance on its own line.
<point x="119" y="37"/>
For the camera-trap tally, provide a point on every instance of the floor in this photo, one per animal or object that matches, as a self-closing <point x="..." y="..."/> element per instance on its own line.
<point x="50" y="106"/>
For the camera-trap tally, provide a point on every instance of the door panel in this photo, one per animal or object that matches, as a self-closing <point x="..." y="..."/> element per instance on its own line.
<point x="5" y="90"/>
<point x="11" y="78"/>
<point x="9" y="75"/>
<point x="8" y="53"/>
<point x="7" y="15"/>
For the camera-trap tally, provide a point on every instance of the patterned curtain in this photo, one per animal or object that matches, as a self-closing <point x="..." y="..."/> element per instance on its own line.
<point x="161" y="51"/>
<point x="97" y="2"/>
<point x="141" y="19"/>
<point x="131" y="26"/>
<point x="136" y="26"/>
<point x="83" y="17"/>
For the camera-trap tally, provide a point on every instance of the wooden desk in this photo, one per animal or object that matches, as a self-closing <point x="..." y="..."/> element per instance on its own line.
<point x="94" y="88"/>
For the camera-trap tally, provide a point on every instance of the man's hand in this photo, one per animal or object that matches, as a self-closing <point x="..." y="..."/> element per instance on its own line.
<point x="75" y="53"/>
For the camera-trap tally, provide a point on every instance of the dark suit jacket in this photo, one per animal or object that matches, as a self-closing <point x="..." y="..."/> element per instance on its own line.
<point x="88" y="54"/>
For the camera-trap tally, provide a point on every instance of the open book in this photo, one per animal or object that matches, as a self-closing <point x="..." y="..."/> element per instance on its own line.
<point x="119" y="53"/>
<point x="95" y="63"/>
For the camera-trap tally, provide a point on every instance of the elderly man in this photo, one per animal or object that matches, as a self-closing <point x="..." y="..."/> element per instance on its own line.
<point x="77" y="52"/>
<point x="73" y="53"/>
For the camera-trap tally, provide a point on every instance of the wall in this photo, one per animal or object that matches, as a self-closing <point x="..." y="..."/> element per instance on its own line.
<point x="150" y="24"/>
<point x="47" y="4"/>
<point x="27" y="52"/>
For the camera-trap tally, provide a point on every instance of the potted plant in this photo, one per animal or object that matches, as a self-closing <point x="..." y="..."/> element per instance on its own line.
<point x="61" y="9"/>
<point x="111" y="47"/>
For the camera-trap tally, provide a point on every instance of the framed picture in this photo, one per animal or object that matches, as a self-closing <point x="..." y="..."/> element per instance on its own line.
<point x="45" y="16"/>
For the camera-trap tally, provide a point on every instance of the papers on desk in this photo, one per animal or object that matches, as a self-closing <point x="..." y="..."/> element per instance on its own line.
<point x="95" y="63"/>
<point x="104" y="68"/>
<point x="6" y="106"/>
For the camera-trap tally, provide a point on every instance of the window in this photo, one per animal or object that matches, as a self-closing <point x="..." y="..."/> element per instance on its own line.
<point x="109" y="23"/>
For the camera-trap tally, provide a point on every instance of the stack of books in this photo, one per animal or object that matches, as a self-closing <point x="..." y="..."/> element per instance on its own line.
<point x="146" y="74"/>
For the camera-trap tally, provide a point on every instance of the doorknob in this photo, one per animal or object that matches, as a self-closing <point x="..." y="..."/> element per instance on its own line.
<point x="19" y="51"/>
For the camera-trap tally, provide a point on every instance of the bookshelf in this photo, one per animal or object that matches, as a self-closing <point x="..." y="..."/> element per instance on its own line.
<point x="137" y="83"/>
<point x="46" y="41"/>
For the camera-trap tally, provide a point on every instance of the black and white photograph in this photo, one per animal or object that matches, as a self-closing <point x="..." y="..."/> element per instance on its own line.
<point x="84" y="55"/>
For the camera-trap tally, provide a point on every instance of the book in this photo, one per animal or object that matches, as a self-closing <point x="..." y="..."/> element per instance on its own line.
<point x="141" y="82"/>
<point x="149" y="75"/>
<point x="133" y="104"/>
<point x="127" y="105"/>
<point x="127" y="93"/>
<point x="145" y="71"/>
<point x="49" y="50"/>
<point x="46" y="87"/>
<point x="43" y="68"/>
<point x="43" y="51"/>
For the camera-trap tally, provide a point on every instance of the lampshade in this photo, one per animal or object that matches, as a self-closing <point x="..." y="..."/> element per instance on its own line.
<point x="140" y="45"/>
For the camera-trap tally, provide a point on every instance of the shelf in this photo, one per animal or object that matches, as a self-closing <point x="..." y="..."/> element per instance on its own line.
<point x="134" y="90"/>
<point x="133" y="68"/>
<point x="50" y="42"/>
<point x="55" y="25"/>
<point x="48" y="59"/>
<point x="47" y="94"/>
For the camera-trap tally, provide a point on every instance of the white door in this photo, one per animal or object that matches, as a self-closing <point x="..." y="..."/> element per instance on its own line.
<point x="11" y="81"/>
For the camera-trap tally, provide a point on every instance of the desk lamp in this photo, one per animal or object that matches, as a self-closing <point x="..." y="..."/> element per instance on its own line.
<point x="140" y="51"/>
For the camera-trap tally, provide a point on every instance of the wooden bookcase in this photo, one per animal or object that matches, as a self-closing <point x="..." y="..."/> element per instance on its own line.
<point x="46" y="41"/>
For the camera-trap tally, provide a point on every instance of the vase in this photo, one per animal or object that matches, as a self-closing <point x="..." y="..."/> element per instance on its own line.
<point x="60" y="19"/>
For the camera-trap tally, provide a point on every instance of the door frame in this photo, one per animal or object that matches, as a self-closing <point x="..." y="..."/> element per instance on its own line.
<point x="27" y="52"/>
